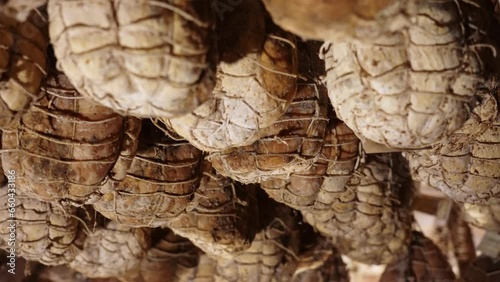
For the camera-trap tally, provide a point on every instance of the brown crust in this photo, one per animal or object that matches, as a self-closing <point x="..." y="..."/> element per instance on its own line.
<point x="317" y="186"/>
<point x="221" y="217"/>
<point x="288" y="145"/>
<point x="156" y="185"/>
<point x="292" y="142"/>
<point x="64" y="145"/>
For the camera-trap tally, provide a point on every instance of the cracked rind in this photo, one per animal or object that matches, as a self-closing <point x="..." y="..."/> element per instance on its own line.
<point x="333" y="19"/>
<point x="413" y="87"/>
<point x="290" y="144"/>
<point x="141" y="58"/>
<point x="44" y="232"/>
<point x="370" y="219"/>
<point x="156" y="186"/>
<point x="220" y="219"/>
<point x="317" y="186"/>
<point x="23" y="66"/>
<point x="20" y="9"/>
<point x="112" y="251"/>
<point x="261" y="262"/>
<point x="424" y="262"/>
<point x="256" y="81"/>
<point x="64" y="145"/>
<point x="484" y="268"/>
<point x="466" y="166"/>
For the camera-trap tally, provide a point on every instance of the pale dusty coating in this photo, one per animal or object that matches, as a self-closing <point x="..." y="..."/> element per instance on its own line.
<point x="318" y="186"/>
<point x="290" y="144"/>
<point x="64" y="145"/>
<point x="143" y="58"/>
<point x="20" y="9"/>
<point x="44" y="232"/>
<point x="370" y="219"/>
<point x="333" y="19"/>
<point x="412" y="87"/>
<point x="156" y="186"/>
<point x="424" y="262"/>
<point x="112" y="251"/>
<point x="256" y="81"/>
<point x="22" y="67"/>
<point x="220" y="219"/>
<point x="466" y="166"/>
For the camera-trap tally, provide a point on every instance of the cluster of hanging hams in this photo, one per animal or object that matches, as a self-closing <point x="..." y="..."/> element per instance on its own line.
<point x="247" y="140"/>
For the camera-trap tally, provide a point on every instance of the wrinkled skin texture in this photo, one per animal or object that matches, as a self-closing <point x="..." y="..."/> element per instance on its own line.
<point x="220" y="218"/>
<point x="64" y="145"/>
<point x="424" y="262"/>
<point x="156" y="186"/>
<point x="44" y="232"/>
<point x="256" y="81"/>
<point x="23" y="67"/>
<point x="291" y="143"/>
<point x="142" y="58"/>
<point x="112" y="251"/>
<point x="484" y="268"/>
<point x="330" y="19"/>
<point x="20" y="9"/>
<point x="370" y="219"/>
<point x="288" y="145"/>
<point x="317" y="186"/>
<point x="412" y="87"/>
<point x="466" y="166"/>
